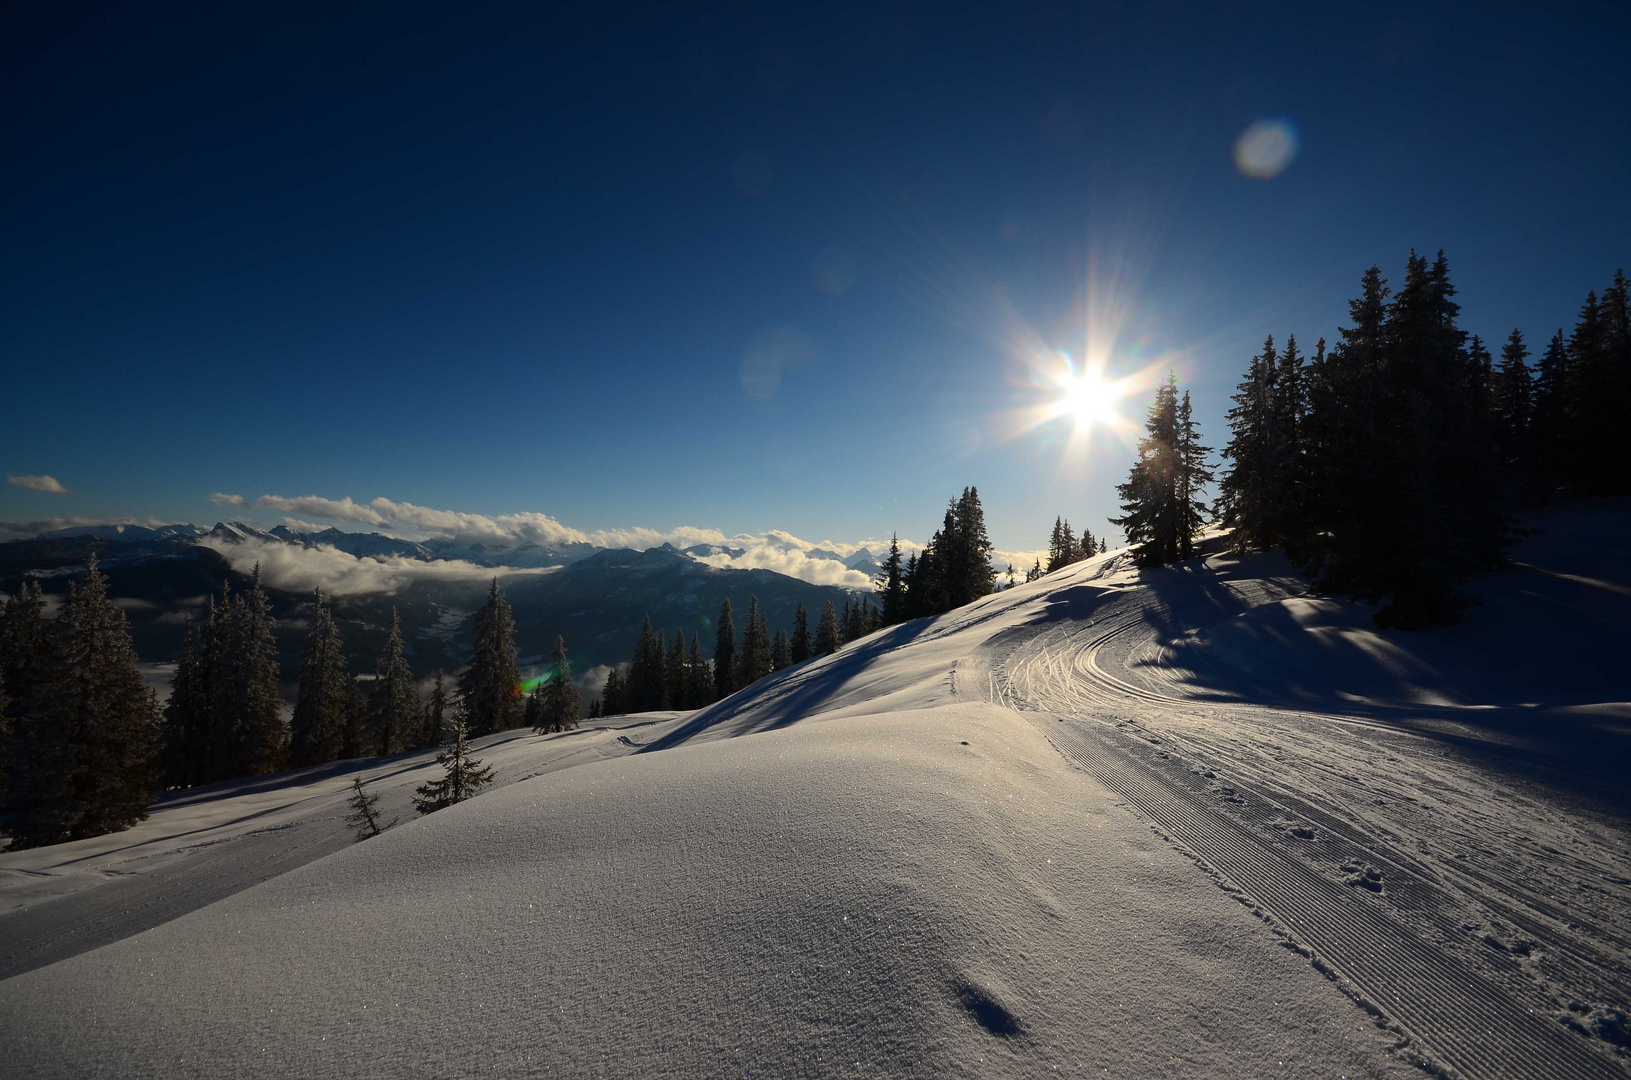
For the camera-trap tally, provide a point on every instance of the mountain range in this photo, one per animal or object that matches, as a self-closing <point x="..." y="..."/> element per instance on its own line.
<point x="594" y="597"/>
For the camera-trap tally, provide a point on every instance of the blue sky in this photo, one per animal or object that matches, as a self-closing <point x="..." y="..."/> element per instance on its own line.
<point x="499" y="261"/>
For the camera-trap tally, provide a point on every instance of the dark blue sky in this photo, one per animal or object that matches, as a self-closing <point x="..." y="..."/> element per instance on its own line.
<point x="494" y="260"/>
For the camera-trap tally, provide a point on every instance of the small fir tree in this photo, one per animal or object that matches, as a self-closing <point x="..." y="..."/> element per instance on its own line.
<point x="463" y="777"/>
<point x="364" y="819"/>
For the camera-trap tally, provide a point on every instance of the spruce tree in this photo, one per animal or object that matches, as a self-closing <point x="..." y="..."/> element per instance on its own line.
<point x="435" y="714"/>
<point x="250" y="736"/>
<point x="463" y="777"/>
<point x="317" y="730"/>
<point x="364" y="819"/>
<point x="1513" y="404"/>
<point x="675" y="675"/>
<point x="699" y="682"/>
<point x="753" y="661"/>
<point x="108" y="725"/>
<point x="644" y="688"/>
<point x="532" y="714"/>
<point x="1161" y="505"/>
<point x="1549" y="423"/>
<point x="974" y="576"/>
<point x="781" y="651"/>
<point x="611" y="696"/>
<point x="561" y="704"/>
<point x="490" y="689"/>
<point x="890" y="585"/>
<point x="395" y="714"/>
<point x="725" y="653"/>
<point x="801" y="634"/>
<point x="184" y="744"/>
<point x="828" y="636"/>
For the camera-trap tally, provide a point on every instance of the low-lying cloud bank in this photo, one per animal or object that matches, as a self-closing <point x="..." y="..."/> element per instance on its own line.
<point x="300" y="569"/>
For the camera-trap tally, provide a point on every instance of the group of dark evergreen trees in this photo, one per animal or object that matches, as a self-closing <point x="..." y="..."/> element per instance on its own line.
<point x="1065" y="550"/>
<point x="1162" y="508"/>
<point x="953" y="569"/>
<point x="79" y="730"/>
<point x="1389" y="467"/>
<point x="677" y="676"/>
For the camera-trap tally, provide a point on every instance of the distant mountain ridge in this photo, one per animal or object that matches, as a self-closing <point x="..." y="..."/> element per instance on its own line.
<point x="163" y="576"/>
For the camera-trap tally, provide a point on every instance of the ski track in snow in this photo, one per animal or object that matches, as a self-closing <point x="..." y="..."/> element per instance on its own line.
<point x="1469" y="906"/>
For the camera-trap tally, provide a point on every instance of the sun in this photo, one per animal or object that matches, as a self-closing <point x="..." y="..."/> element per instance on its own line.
<point x="1087" y="399"/>
<point x="1084" y="397"/>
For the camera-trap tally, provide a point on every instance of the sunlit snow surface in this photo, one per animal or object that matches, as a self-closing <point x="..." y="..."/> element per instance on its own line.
<point x="932" y="854"/>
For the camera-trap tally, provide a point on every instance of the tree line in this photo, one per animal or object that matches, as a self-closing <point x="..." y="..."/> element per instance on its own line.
<point x="1390" y="466"/>
<point x="84" y="744"/>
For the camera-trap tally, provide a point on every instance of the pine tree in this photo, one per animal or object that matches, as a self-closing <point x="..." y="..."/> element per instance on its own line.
<point x="394" y="710"/>
<point x="1549" y="423"/>
<point x="463" y="777"/>
<point x="852" y="624"/>
<point x="699" y="680"/>
<point x="725" y="654"/>
<point x="1193" y="476"/>
<point x="89" y="737"/>
<point x="561" y="704"/>
<point x="890" y="585"/>
<point x="184" y="744"/>
<point x="532" y="714"/>
<point x="1161" y="504"/>
<point x="435" y="714"/>
<point x="675" y="673"/>
<point x="1513" y="395"/>
<point x="753" y="660"/>
<point x="1244" y="500"/>
<point x="250" y="736"/>
<point x="317" y="731"/>
<point x="490" y="689"/>
<point x="827" y="632"/>
<point x="801" y="635"/>
<point x="364" y="819"/>
<point x="612" y="701"/>
<point x="781" y="651"/>
<point x="644" y="688"/>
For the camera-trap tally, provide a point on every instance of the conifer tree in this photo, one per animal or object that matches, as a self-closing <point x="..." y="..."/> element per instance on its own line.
<point x="463" y="777"/>
<point x="435" y="714"/>
<point x="890" y="585"/>
<point x="675" y="675"/>
<point x="1513" y="394"/>
<point x="249" y="737"/>
<point x="699" y="680"/>
<point x="364" y="819"/>
<point x="490" y="689"/>
<point x="781" y="651"/>
<point x="801" y="635"/>
<point x="184" y="743"/>
<point x="611" y="696"/>
<point x="828" y="636"/>
<point x="394" y="710"/>
<point x="725" y="654"/>
<point x="644" y="688"/>
<point x="753" y="661"/>
<point x="561" y="704"/>
<point x="1245" y="492"/>
<point x="317" y="730"/>
<point x="532" y="713"/>
<point x="1161" y="504"/>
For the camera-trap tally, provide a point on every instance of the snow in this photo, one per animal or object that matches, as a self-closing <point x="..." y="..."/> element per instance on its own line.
<point x="1113" y="822"/>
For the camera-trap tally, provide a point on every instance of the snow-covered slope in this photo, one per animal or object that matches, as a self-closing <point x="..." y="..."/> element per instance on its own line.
<point x="934" y="854"/>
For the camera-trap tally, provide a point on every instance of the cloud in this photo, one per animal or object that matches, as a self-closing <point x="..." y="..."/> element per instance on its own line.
<point x="774" y="550"/>
<point x="221" y="499"/>
<point x="300" y="569"/>
<point x="317" y="506"/>
<point x="49" y="484"/>
<point x="23" y="530"/>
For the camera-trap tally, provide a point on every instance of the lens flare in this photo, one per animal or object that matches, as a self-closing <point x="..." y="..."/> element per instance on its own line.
<point x="1265" y="149"/>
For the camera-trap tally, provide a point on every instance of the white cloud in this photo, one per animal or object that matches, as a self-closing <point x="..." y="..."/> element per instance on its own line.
<point x="223" y="499"/>
<point x="300" y="569"/>
<point x="317" y="506"/>
<point x="22" y="530"/>
<point x="49" y="484"/>
<point x="774" y="550"/>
